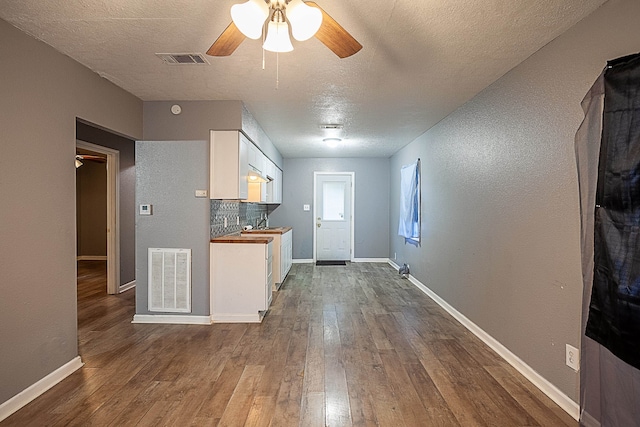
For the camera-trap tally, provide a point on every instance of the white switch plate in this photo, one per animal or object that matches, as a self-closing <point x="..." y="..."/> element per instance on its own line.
<point x="306" y="207"/>
<point x="573" y="358"/>
<point x="201" y="193"/>
<point x="145" y="209"/>
<point x="225" y="221"/>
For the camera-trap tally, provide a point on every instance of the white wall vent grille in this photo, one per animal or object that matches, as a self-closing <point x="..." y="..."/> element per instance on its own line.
<point x="170" y="280"/>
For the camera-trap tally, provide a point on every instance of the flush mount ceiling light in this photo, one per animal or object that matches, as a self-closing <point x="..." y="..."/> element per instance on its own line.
<point x="332" y="142"/>
<point x="271" y="19"/>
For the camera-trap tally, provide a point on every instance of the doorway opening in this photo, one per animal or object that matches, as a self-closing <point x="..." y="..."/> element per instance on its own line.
<point x="112" y="161"/>
<point x="333" y="213"/>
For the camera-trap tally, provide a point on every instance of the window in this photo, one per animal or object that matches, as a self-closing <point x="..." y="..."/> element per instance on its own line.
<point x="409" y="224"/>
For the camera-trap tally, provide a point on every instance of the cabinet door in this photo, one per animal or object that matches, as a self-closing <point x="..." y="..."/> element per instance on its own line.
<point x="269" y="274"/>
<point x="256" y="158"/>
<point x="243" y="167"/>
<point x="277" y="187"/>
<point x="228" y="165"/>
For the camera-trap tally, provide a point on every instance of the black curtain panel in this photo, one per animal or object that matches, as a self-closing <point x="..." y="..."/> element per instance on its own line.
<point x="614" y="309"/>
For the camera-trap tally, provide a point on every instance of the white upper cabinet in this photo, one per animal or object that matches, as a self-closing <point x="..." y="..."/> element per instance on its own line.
<point x="277" y="187"/>
<point x="229" y="166"/>
<point x="256" y="159"/>
<point x="233" y="156"/>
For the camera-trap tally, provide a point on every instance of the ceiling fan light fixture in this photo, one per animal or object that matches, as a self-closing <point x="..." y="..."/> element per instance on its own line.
<point x="249" y="17"/>
<point x="277" y="39"/>
<point x="305" y="20"/>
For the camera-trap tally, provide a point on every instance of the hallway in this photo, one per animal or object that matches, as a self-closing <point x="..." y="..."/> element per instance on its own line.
<point x="341" y="346"/>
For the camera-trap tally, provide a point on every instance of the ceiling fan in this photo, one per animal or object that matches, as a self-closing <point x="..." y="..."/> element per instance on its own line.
<point x="307" y="19"/>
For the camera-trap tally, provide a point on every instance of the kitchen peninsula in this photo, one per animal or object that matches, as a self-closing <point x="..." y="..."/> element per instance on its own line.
<point x="241" y="278"/>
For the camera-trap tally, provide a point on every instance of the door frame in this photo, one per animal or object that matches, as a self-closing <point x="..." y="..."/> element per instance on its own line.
<point x="352" y="199"/>
<point x="113" y="213"/>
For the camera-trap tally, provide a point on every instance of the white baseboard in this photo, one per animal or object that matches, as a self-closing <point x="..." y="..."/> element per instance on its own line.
<point x="588" y="421"/>
<point x="393" y="264"/>
<point x="30" y="393"/>
<point x="172" y="319"/>
<point x="91" y="258"/>
<point x="127" y="286"/>
<point x="237" y="318"/>
<point x="302" y="261"/>
<point x="385" y="260"/>
<point x="555" y="394"/>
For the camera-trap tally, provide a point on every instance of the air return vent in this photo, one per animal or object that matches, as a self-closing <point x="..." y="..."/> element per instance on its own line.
<point x="170" y="280"/>
<point x="183" y="58"/>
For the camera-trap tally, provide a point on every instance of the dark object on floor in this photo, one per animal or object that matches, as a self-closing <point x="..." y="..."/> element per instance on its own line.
<point x="331" y="263"/>
<point x="404" y="271"/>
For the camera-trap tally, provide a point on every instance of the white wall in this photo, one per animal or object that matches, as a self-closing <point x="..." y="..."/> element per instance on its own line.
<point x="500" y="196"/>
<point x="42" y="94"/>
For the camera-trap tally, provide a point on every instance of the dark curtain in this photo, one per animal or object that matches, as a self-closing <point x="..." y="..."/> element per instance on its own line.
<point x="614" y="311"/>
<point x="608" y="159"/>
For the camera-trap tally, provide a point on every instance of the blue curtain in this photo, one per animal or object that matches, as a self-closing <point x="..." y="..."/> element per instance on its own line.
<point x="409" y="224"/>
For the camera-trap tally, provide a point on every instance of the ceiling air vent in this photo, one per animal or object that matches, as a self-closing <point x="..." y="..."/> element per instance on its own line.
<point x="331" y="126"/>
<point x="182" y="58"/>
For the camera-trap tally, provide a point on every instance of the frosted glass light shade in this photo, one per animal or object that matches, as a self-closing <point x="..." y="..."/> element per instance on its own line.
<point x="249" y="17"/>
<point x="278" y="38"/>
<point x="305" y="20"/>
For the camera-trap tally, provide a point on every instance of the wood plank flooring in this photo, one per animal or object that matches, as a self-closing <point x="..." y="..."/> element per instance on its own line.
<point x="351" y="345"/>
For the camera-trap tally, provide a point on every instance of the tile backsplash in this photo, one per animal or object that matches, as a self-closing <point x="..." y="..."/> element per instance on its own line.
<point x="249" y="214"/>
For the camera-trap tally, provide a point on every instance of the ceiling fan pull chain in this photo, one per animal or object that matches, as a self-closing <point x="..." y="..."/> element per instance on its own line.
<point x="263" y="36"/>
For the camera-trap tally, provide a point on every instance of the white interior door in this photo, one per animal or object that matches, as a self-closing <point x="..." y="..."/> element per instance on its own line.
<point x="333" y="216"/>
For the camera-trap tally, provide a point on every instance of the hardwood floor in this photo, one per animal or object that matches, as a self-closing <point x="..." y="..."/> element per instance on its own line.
<point x="341" y="346"/>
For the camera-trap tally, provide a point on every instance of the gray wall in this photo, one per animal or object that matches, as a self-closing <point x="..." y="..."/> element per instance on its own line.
<point x="500" y="196"/>
<point x="371" y="203"/>
<point x="127" y="183"/>
<point x="167" y="175"/>
<point x="199" y="117"/>
<point x="38" y="110"/>
<point x="91" y="209"/>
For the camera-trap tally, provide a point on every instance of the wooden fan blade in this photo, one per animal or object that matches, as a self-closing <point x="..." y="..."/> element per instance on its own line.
<point x="227" y="42"/>
<point x="334" y="36"/>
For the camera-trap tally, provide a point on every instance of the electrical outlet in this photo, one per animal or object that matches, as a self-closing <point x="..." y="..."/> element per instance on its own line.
<point x="572" y="358"/>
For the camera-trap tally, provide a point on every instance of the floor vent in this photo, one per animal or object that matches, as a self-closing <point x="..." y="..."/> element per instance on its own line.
<point x="170" y="280"/>
<point x="183" y="58"/>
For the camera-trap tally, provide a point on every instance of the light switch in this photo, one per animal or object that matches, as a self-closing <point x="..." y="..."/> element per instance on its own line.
<point x="145" y="209"/>
<point x="306" y="207"/>
<point x="201" y="193"/>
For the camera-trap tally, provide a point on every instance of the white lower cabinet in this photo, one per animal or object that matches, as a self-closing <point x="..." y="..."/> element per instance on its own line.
<point x="241" y="277"/>
<point x="286" y="254"/>
<point x="282" y="251"/>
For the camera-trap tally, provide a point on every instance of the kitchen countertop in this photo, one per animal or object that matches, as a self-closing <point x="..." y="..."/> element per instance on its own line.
<point x="270" y="230"/>
<point x="242" y="239"/>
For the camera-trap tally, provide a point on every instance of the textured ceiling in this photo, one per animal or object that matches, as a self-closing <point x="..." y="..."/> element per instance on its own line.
<point x="421" y="60"/>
